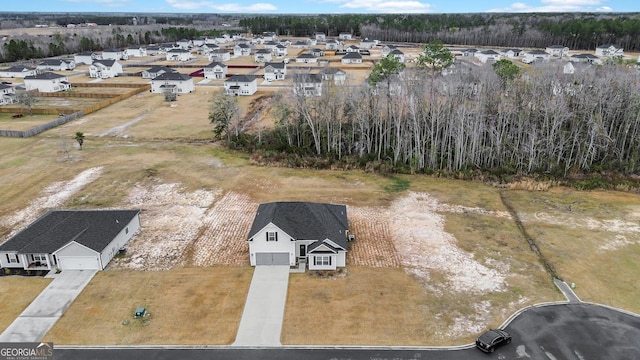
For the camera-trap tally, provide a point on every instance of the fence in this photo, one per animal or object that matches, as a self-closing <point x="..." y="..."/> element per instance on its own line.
<point x="40" y="128"/>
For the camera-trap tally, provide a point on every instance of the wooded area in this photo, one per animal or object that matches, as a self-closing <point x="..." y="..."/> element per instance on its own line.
<point x="541" y="123"/>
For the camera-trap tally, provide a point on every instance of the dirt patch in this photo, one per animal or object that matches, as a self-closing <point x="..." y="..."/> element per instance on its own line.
<point x="374" y="245"/>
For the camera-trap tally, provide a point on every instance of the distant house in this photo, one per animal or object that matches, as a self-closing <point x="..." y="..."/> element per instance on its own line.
<point x="352" y="58"/>
<point x="215" y="70"/>
<point x="56" y="65"/>
<point x="585" y="58"/>
<point x="469" y="52"/>
<point x="536" y="56"/>
<point x="320" y="36"/>
<point x="288" y="233"/>
<point x="398" y="55"/>
<point x="367" y="44"/>
<point x="344" y="36"/>
<point x="281" y="51"/>
<point x="557" y="50"/>
<point x="47" y="82"/>
<point x="331" y="44"/>
<point x="568" y="68"/>
<point x="18" y="71"/>
<point x="113" y="54"/>
<point x="312" y="41"/>
<point x="338" y="76"/>
<point x="241" y="85"/>
<point x="155" y="71"/>
<point x="307" y="84"/>
<point x="199" y="41"/>
<point x="269" y="36"/>
<point x="172" y="82"/>
<point x="387" y="49"/>
<point x="300" y="44"/>
<point x="86" y="57"/>
<point x="104" y="69"/>
<point x="70" y="240"/>
<point x="206" y="49"/>
<point x="316" y="52"/>
<point x="241" y="50"/>
<point x="184" y="44"/>
<point x="306" y="58"/>
<point x="156" y="50"/>
<point x="262" y="56"/>
<point x="275" y="71"/>
<point x="511" y="53"/>
<point x="135" y="52"/>
<point x="178" y="55"/>
<point x="220" y="55"/>
<point x="352" y="48"/>
<point x="7" y="95"/>
<point x="609" y="50"/>
<point x="486" y="56"/>
<point x="270" y="45"/>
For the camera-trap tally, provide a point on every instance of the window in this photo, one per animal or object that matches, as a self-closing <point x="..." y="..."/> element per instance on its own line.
<point x="272" y="236"/>
<point x="38" y="257"/>
<point x="322" y="260"/>
<point x="12" y="258"/>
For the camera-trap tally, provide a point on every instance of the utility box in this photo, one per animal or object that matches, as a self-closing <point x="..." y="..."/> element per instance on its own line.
<point x="139" y="312"/>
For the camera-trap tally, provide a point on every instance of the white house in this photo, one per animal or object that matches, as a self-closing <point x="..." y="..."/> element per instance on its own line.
<point x="7" y="94"/>
<point x="220" y="55"/>
<point x="104" y="69"/>
<point x="113" y="54"/>
<point x="536" y="56"/>
<point x="345" y="36"/>
<point x="184" y="44"/>
<point x="306" y="58"/>
<point x="469" y="52"/>
<point x="70" y="240"/>
<point x="178" y="55"/>
<point x="312" y="41"/>
<point x="289" y="233"/>
<point x="585" y="58"/>
<point x="275" y="71"/>
<point x="262" y="56"/>
<point x="241" y="85"/>
<point x="387" y="49"/>
<point x="338" y="76"/>
<point x="398" y="55"/>
<point x="47" y="82"/>
<point x="352" y="58"/>
<point x="173" y="82"/>
<point x="56" y="65"/>
<point x="135" y="52"/>
<point x="487" y="56"/>
<point x="568" y="68"/>
<point x="241" y="50"/>
<point x="557" y="50"/>
<point x="156" y="50"/>
<point x="215" y="70"/>
<point x="367" y="44"/>
<point x="155" y="71"/>
<point x="86" y="57"/>
<point x="307" y="84"/>
<point x="18" y="71"/>
<point x="609" y="50"/>
<point x="316" y="52"/>
<point x="512" y="53"/>
<point x="270" y="45"/>
<point x="269" y="36"/>
<point x="280" y="50"/>
<point x="320" y="36"/>
<point x="331" y="44"/>
<point x="199" y="41"/>
<point x="352" y="48"/>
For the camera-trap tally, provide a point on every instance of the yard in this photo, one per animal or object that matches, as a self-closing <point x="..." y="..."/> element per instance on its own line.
<point x="17" y="293"/>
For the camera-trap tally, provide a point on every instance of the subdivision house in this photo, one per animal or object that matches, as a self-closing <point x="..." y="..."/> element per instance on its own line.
<point x="287" y="233"/>
<point x="184" y="44"/>
<point x="18" y="71"/>
<point x="338" y="76"/>
<point x="537" y="56"/>
<point x="331" y="44"/>
<point x="86" y="57"/>
<point x="241" y="50"/>
<point x="56" y="65"/>
<point x="511" y="53"/>
<point x="320" y="36"/>
<point x="344" y="36"/>
<point x="113" y="54"/>
<point x="156" y="50"/>
<point x="387" y="49"/>
<point x="280" y="50"/>
<point x="7" y="95"/>
<point x="172" y="82"/>
<point x="609" y="50"/>
<point x="269" y="36"/>
<point x="47" y="82"/>
<point x="70" y="240"/>
<point x="352" y="48"/>
<point x="105" y="69"/>
<point x="398" y="55"/>
<point x="585" y="58"/>
<point x="135" y="52"/>
<point x="300" y="44"/>
<point x="317" y="52"/>
<point x="557" y="50"/>
<point x="307" y="84"/>
<point x="275" y="71"/>
<point x="352" y="58"/>
<point x="367" y="43"/>
<point x="155" y="71"/>
<point x="262" y="56"/>
<point x="306" y="58"/>
<point x="270" y="45"/>
<point x="215" y="70"/>
<point x="178" y="55"/>
<point x="220" y="55"/>
<point x="469" y="52"/>
<point x="241" y="85"/>
<point x="486" y="56"/>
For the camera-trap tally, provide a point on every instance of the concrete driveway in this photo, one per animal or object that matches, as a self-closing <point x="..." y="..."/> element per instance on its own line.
<point x="263" y="313"/>
<point x="46" y="309"/>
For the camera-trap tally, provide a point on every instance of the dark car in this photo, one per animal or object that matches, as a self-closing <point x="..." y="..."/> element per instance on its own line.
<point x="493" y="338"/>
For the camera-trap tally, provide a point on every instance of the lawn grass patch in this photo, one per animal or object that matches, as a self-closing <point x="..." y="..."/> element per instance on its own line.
<point x="17" y="293"/>
<point x="189" y="306"/>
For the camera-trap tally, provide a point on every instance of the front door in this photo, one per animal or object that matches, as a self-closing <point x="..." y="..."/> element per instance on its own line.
<point x="303" y="250"/>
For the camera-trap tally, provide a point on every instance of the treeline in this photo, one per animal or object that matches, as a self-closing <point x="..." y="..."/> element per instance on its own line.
<point x="541" y="123"/>
<point x="575" y="30"/>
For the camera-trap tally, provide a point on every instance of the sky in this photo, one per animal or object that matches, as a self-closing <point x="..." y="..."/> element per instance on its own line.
<point x="320" y="6"/>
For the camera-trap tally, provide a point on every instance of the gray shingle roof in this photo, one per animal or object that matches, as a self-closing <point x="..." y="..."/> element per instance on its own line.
<point x="172" y="76"/>
<point x="304" y="220"/>
<point x="107" y="63"/>
<point x="45" y="76"/>
<point x="241" y="78"/>
<point x="94" y="229"/>
<point x="352" y="55"/>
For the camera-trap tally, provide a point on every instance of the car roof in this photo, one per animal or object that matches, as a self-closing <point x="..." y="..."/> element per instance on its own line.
<point x="491" y="335"/>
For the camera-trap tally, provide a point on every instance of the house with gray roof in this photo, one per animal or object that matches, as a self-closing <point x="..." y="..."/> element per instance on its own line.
<point x="47" y="82"/>
<point x="289" y="233"/>
<point x="172" y="82"/>
<point x="156" y="70"/>
<point x="241" y="85"/>
<point x="104" y="69"/>
<point x="56" y="65"/>
<point x="70" y="240"/>
<point x="215" y="70"/>
<point x="18" y="71"/>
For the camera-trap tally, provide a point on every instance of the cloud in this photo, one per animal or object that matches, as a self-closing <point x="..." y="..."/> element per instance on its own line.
<point x="231" y="7"/>
<point x="557" y="6"/>
<point x="105" y="3"/>
<point x="381" y="6"/>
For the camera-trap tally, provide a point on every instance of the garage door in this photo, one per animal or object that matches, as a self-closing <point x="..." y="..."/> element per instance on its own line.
<point x="272" y="258"/>
<point x="78" y="263"/>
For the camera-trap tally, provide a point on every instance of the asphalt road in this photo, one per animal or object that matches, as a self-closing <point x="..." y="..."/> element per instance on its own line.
<point x="565" y="331"/>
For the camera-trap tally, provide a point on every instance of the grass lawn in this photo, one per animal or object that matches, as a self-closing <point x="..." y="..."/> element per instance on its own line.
<point x="17" y="293"/>
<point x="186" y="306"/>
